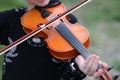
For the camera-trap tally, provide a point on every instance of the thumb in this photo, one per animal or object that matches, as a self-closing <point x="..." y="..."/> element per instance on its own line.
<point x="80" y="61"/>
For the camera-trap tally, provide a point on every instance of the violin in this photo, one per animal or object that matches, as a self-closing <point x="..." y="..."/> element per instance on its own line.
<point x="53" y="39"/>
<point x="64" y="39"/>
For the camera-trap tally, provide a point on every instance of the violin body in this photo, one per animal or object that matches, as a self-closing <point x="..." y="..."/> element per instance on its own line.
<point x="58" y="46"/>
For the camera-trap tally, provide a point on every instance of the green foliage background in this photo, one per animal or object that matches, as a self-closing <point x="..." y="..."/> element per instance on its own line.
<point x="100" y="17"/>
<point x="8" y="4"/>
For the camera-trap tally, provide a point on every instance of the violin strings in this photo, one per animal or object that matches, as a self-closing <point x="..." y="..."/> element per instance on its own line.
<point x="74" y="41"/>
<point x="66" y="33"/>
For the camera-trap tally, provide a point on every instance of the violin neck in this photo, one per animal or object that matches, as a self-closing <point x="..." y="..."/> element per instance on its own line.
<point x="67" y="34"/>
<point x="73" y="40"/>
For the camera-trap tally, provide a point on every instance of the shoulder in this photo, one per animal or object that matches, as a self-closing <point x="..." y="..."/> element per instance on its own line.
<point x="13" y="12"/>
<point x="12" y="15"/>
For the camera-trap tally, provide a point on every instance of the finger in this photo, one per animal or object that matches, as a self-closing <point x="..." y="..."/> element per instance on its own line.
<point x="92" y="65"/>
<point x="80" y="62"/>
<point x="104" y="64"/>
<point x="98" y="73"/>
<point x="88" y="63"/>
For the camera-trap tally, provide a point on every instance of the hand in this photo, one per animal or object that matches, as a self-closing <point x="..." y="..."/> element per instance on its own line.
<point x="89" y="65"/>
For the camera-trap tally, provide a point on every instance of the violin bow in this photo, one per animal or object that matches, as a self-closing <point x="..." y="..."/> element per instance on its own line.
<point x="41" y="27"/>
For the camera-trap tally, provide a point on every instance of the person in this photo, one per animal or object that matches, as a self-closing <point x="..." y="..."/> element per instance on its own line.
<point x="31" y="60"/>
